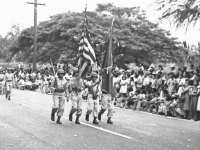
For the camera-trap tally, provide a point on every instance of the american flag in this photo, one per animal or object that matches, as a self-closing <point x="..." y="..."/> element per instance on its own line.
<point x="87" y="54"/>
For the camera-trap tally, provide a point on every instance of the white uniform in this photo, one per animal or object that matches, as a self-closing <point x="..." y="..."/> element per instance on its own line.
<point x="93" y="99"/>
<point x="76" y="86"/>
<point x="107" y="103"/>
<point x="60" y="86"/>
<point x="9" y="84"/>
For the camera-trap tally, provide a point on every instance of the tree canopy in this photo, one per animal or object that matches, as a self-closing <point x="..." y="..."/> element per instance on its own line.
<point x="180" y="12"/>
<point x="7" y="41"/>
<point x="135" y="38"/>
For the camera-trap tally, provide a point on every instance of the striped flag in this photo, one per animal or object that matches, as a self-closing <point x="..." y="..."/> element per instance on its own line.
<point x="87" y="55"/>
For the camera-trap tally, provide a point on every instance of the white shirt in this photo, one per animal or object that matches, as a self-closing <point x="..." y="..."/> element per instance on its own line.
<point x="182" y="81"/>
<point x="116" y="80"/>
<point x="147" y="81"/>
<point x="8" y="77"/>
<point x="140" y="79"/>
<point x="21" y="82"/>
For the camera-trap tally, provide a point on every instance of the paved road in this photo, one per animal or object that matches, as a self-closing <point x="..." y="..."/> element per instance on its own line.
<point x="25" y="125"/>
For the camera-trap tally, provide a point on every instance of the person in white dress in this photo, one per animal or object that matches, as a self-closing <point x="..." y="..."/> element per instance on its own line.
<point x="123" y="88"/>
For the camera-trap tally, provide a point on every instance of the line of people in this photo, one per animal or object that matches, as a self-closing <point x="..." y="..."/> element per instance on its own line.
<point x="64" y="87"/>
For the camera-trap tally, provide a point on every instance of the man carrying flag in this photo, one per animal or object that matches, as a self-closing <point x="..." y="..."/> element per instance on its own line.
<point x="86" y="61"/>
<point x="107" y="82"/>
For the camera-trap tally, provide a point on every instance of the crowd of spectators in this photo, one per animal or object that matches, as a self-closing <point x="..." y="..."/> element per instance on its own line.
<point x="174" y="93"/>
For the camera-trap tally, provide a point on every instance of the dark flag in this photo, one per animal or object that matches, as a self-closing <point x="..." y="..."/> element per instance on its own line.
<point x="107" y="83"/>
<point x="87" y="55"/>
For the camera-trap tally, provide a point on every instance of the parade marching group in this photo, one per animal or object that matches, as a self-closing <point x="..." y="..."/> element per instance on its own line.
<point x="73" y="90"/>
<point x="64" y="87"/>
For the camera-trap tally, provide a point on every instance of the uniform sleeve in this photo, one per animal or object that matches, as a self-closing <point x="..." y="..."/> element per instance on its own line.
<point x="53" y="83"/>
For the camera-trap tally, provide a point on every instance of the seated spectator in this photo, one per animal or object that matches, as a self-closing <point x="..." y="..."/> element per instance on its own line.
<point x="134" y="99"/>
<point x="178" y="110"/>
<point x="21" y="84"/>
<point x="146" y="102"/>
<point x="129" y="100"/>
<point x="154" y="104"/>
<point x="141" y="100"/>
<point x="169" y="105"/>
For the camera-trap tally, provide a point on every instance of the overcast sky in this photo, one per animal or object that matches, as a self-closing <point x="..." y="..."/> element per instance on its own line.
<point x="18" y="11"/>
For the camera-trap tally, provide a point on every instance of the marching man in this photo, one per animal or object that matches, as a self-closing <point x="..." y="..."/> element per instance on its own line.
<point x="59" y="85"/>
<point x="1" y="81"/>
<point x="76" y="87"/>
<point x="9" y="80"/>
<point x="106" y="103"/>
<point x="93" y="97"/>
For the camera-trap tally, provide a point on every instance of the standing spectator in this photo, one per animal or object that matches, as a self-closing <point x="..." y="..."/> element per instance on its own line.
<point x="185" y="94"/>
<point x="123" y="88"/>
<point x="141" y="68"/>
<point x="140" y="80"/>
<point x="171" y="83"/>
<point x="158" y="82"/>
<point x="194" y="94"/>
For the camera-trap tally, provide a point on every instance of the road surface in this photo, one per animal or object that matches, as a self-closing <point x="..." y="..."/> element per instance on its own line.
<point x="25" y="125"/>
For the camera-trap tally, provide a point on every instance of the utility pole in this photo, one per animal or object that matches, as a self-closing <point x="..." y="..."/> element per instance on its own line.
<point x="35" y="33"/>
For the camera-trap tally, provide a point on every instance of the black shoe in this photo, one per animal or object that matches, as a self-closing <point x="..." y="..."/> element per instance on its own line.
<point x="6" y="96"/>
<point x="9" y="98"/>
<point x="87" y="117"/>
<point x="53" y="117"/>
<point x="58" y="120"/>
<point x="95" y="121"/>
<point x="99" y="117"/>
<point x="70" y="117"/>
<point x="109" y="121"/>
<point x="77" y="120"/>
<point x="53" y="113"/>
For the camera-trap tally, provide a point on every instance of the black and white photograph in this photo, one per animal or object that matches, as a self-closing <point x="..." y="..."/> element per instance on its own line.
<point x="100" y="75"/>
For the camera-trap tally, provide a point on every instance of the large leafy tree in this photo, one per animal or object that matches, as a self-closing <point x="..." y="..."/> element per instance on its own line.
<point x="180" y="12"/>
<point x="135" y="38"/>
<point x="142" y="40"/>
<point x="7" y="41"/>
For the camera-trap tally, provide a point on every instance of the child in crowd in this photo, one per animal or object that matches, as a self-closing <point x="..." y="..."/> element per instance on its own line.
<point x="154" y="103"/>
